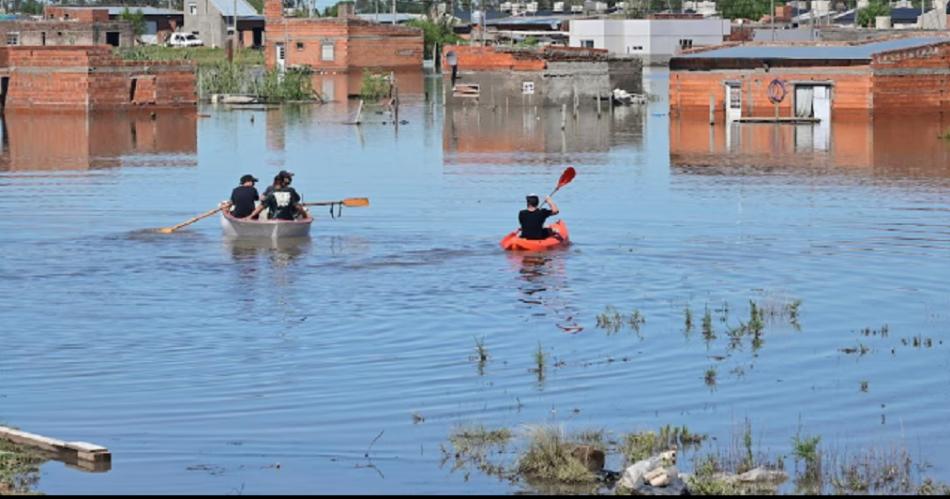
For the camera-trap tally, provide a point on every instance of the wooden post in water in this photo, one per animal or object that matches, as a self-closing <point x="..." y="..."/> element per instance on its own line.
<point x="712" y="110"/>
<point x="576" y="101"/>
<point x="563" y="116"/>
<point x="598" y="107"/>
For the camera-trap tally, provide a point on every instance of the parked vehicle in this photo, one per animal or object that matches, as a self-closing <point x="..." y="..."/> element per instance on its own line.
<point x="184" y="40"/>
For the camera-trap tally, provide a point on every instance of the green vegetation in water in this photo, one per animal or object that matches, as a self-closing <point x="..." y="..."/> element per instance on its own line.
<point x="708" y="333"/>
<point x="19" y="469"/>
<point x="864" y="386"/>
<point x="636" y="320"/>
<point x="806" y="450"/>
<point x="882" y="332"/>
<point x="540" y="359"/>
<point x="474" y="445"/>
<point x="374" y="86"/>
<point x="688" y="326"/>
<point x="641" y="445"/>
<point x="710" y="377"/>
<point x="549" y="457"/>
<point x="610" y="319"/>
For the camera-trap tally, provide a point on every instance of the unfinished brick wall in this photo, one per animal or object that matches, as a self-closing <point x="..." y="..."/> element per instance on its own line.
<point x="912" y="79"/>
<point x="42" y="33"/>
<point x="690" y="91"/>
<point x="474" y="58"/>
<point x="88" y="15"/>
<point x="92" y="78"/>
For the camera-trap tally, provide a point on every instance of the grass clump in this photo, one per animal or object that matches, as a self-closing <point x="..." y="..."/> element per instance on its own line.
<point x="636" y="320"/>
<point x="374" y="86"/>
<point x="710" y="377"/>
<point x="641" y="445"/>
<point x="610" y="319"/>
<point x="548" y="457"/>
<point x="19" y="469"/>
<point x="540" y="360"/>
<point x="688" y="320"/>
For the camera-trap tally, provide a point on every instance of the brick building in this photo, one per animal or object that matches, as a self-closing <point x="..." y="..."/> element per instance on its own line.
<point x="338" y="44"/>
<point x="61" y="27"/>
<point x="89" y="78"/>
<point x="159" y="23"/>
<point x="812" y="80"/>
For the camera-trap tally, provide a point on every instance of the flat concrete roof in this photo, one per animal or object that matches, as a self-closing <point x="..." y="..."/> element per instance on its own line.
<point x="837" y="52"/>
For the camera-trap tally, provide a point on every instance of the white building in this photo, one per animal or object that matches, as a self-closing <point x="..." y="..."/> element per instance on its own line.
<point x="705" y="7"/>
<point x="654" y="40"/>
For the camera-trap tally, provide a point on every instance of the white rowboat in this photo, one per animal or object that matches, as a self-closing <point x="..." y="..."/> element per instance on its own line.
<point x="265" y="229"/>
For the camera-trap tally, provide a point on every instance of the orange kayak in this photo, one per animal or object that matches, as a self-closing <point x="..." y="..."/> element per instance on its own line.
<point x="512" y="242"/>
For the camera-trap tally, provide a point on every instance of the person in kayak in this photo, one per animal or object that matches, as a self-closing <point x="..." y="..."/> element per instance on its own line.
<point x="532" y="219"/>
<point x="243" y="197"/>
<point x="282" y="203"/>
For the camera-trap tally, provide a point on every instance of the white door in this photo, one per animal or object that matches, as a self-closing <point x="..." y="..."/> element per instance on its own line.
<point x="281" y="57"/>
<point x="733" y="102"/>
<point x="804" y="101"/>
<point x="821" y="102"/>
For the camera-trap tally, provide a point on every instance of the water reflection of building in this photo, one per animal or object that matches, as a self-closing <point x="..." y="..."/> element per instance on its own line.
<point x="342" y="85"/>
<point x="885" y="144"/>
<point x="479" y="134"/>
<point x="78" y="140"/>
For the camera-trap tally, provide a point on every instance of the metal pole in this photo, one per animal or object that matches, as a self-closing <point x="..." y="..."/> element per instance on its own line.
<point x="394" y="12"/>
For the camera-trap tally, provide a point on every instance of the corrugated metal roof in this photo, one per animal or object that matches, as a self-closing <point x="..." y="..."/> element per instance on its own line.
<point x="148" y="11"/>
<point x="387" y="18"/>
<point x="864" y="51"/>
<point x="226" y="7"/>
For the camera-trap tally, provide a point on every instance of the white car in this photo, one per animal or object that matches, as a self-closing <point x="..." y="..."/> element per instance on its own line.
<point x="184" y="40"/>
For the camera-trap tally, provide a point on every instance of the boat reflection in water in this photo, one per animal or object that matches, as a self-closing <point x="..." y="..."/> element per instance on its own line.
<point x="46" y="141"/>
<point x="545" y="283"/>
<point x="279" y="252"/>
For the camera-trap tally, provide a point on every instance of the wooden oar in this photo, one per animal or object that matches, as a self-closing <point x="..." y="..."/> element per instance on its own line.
<point x="169" y="230"/>
<point x="352" y="202"/>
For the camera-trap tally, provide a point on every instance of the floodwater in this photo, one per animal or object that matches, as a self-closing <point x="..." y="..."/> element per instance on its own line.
<point x="213" y="366"/>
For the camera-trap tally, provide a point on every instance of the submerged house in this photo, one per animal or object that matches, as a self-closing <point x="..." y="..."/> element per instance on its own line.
<point x="812" y="80"/>
<point x="551" y="76"/>
<point x="64" y="27"/>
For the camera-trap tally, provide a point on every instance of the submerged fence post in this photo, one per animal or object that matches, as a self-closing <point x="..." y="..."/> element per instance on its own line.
<point x="598" y="107"/>
<point x="563" y="116"/>
<point x="712" y="110"/>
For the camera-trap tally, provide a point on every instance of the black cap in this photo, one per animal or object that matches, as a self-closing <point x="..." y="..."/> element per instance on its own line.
<point x="285" y="173"/>
<point x="248" y="178"/>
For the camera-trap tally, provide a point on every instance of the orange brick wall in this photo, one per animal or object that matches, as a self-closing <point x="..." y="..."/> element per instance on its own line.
<point x="61" y="78"/>
<point x="690" y="90"/>
<point x="912" y="79"/>
<point x="473" y="58"/>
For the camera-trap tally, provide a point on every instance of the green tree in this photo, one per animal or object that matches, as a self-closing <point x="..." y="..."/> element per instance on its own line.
<point x="31" y="7"/>
<point x="257" y="4"/>
<point x="746" y="9"/>
<point x="435" y="32"/>
<point x="866" y="15"/>
<point x="136" y="19"/>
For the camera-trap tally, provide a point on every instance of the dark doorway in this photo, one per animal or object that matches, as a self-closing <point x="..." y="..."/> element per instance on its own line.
<point x="4" y="83"/>
<point x="43" y="38"/>
<point x="258" y="37"/>
<point x="132" y="89"/>
<point x="112" y="38"/>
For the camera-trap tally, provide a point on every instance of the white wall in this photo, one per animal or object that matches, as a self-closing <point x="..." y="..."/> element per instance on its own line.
<point x="655" y="39"/>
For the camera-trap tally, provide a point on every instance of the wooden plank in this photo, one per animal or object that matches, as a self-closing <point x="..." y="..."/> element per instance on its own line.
<point x="84" y="455"/>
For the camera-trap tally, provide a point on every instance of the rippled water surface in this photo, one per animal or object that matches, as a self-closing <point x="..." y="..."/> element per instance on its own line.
<point x="203" y="363"/>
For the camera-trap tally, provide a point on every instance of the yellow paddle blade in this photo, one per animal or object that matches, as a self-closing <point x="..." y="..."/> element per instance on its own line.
<point x="166" y="230"/>
<point x="356" y="202"/>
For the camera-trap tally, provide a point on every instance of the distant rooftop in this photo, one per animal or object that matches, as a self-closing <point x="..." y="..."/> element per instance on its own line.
<point x="244" y="9"/>
<point x="838" y="52"/>
<point x="386" y="18"/>
<point x="116" y="10"/>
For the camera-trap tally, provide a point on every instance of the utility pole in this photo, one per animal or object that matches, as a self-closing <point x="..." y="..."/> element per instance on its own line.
<point x="394" y="12"/>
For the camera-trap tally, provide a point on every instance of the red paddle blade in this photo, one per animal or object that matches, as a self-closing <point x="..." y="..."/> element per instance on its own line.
<point x="566" y="177"/>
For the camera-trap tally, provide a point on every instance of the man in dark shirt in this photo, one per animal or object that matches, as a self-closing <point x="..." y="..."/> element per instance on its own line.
<point x="283" y="178"/>
<point x="243" y="197"/>
<point x="282" y="202"/>
<point x="532" y="219"/>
